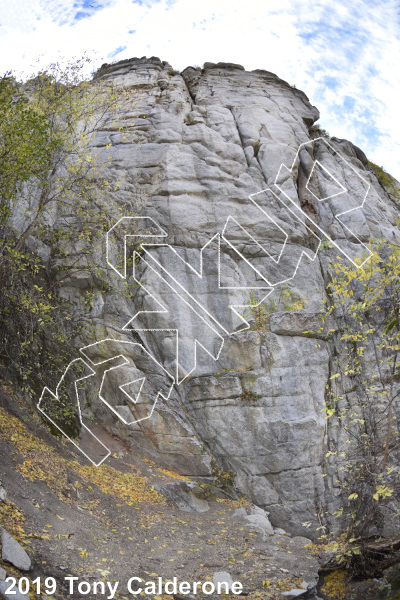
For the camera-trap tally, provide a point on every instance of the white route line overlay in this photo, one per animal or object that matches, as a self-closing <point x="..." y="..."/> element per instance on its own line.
<point x="343" y="190"/>
<point x="304" y="252"/>
<point x="143" y="379"/>
<point x="199" y="273"/>
<point x="162" y="233"/>
<point x="141" y="235"/>
<point x="165" y="310"/>
<point x="91" y="374"/>
<point x="345" y="212"/>
<point x="46" y="389"/>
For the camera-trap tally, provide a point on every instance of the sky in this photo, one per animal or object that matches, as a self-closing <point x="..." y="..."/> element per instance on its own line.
<point x="344" y="54"/>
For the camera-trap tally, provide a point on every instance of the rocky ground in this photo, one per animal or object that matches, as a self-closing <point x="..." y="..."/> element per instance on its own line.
<point x="110" y="523"/>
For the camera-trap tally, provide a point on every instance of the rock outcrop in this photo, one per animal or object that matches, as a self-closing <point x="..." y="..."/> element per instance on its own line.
<point x="195" y="147"/>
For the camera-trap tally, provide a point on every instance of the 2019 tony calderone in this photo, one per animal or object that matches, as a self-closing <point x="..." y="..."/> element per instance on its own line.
<point x="135" y="586"/>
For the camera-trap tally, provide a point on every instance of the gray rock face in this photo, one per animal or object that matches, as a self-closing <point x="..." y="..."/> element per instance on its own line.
<point x="3" y="574"/>
<point x="215" y="152"/>
<point x="3" y="494"/>
<point x="300" y="323"/>
<point x="185" y="495"/>
<point x="13" y="552"/>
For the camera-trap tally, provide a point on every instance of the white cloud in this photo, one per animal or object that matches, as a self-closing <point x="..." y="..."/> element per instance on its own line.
<point x="306" y="42"/>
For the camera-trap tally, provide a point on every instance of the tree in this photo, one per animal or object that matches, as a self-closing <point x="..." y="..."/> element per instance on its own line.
<point x="70" y="187"/>
<point x="52" y="177"/>
<point x="363" y="402"/>
<point x="25" y="143"/>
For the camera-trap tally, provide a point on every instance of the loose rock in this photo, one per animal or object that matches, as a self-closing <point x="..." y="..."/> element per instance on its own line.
<point x="296" y="593"/>
<point x="4" y="585"/>
<point x="222" y="577"/>
<point x="258" y="518"/>
<point x="13" y="552"/>
<point x="185" y="495"/>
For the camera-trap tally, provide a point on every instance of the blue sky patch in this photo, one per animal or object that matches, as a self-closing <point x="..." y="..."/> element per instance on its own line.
<point x="81" y="15"/>
<point x="331" y="82"/>
<point x="116" y="51"/>
<point x="348" y="103"/>
<point x="88" y="8"/>
<point x="342" y="54"/>
<point x="309" y="35"/>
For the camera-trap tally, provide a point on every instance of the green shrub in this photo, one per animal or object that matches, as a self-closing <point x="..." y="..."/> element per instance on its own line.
<point x="386" y="181"/>
<point x="261" y="311"/>
<point x="316" y="131"/>
<point x="249" y="396"/>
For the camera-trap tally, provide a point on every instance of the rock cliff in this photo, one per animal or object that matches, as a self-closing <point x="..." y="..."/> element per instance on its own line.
<point x="236" y="189"/>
